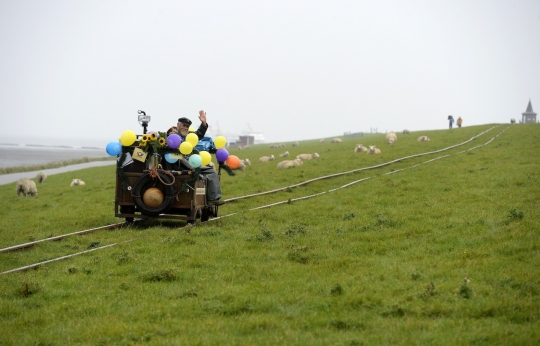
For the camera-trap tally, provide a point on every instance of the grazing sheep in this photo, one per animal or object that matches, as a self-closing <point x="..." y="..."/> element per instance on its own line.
<point x="321" y="140"/>
<point x="372" y="150"/>
<point x="77" y="182"/>
<point x="26" y="187"/>
<point x="290" y="163"/>
<point x="512" y="121"/>
<point x="285" y="154"/>
<point x="41" y="176"/>
<point x="391" y="137"/>
<point x="295" y="144"/>
<point x="246" y="146"/>
<point x="406" y="132"/>
<point x="243" y="164"/>
<point x="304" y="157"/>
<point x="336" y="140"/>
<point x="267" y="158"/>
<point x="423" y="139"/>
<point x="360" y="148"/>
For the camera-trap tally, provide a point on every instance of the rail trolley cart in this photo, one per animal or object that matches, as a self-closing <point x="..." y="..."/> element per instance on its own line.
<point x="143" y="192"/>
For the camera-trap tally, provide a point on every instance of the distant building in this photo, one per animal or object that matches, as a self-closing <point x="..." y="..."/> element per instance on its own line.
<point x="529" y="116"/>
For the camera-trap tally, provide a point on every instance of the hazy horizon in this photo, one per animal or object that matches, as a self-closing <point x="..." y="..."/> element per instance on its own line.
<point x="294" y="70"/>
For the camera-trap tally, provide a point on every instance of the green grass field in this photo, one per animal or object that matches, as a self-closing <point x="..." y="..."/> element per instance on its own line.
<point x="435" y="249"/>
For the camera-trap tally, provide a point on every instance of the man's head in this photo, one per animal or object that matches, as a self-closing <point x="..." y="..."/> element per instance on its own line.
<point x="183" y="126"/>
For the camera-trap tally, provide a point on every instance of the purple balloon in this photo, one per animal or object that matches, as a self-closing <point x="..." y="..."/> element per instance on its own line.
<point x="173" y="141"/>
<point x="222" y="155"/>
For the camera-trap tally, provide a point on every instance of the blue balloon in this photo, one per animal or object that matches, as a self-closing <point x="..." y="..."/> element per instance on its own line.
<point x="195" y="160"/>
<point x="113" y="148"/>
<point x="169" y="158"/>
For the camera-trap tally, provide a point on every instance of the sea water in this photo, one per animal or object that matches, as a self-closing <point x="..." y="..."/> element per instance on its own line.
<point x="28" y="155"/>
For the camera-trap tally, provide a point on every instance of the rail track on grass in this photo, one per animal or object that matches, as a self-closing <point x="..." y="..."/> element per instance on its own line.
<point x="122" y="224"/>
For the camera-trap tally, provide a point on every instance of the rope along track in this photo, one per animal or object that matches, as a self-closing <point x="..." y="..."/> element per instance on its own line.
<point x="21" y="246"/>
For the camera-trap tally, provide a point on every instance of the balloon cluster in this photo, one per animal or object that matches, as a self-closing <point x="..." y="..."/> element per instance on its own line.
<point x="174" y="141"/>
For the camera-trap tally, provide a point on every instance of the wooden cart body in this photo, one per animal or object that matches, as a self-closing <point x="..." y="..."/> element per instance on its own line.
<point x="187" y="206"/>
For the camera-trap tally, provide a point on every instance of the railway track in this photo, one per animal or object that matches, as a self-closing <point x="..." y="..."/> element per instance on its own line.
<point x="122" y="224"/>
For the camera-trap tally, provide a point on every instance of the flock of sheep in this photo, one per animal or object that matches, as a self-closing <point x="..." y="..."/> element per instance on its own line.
<point x="26" y="186"/>
<point x="391" y="138"/>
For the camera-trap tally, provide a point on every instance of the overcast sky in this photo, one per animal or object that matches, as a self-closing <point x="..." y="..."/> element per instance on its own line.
<point x="76" y="72"/>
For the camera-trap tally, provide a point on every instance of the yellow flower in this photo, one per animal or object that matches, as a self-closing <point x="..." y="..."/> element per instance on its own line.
<point x="142" y="143"/>
<point x="162" y="141"/>
<point x="144" y="138"/>
<point x="153" y="136"/>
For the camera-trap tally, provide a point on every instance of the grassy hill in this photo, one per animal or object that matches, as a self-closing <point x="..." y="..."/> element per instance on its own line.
<point x="427" y="243"/>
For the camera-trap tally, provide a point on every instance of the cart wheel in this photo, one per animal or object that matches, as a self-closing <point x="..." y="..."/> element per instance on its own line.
<point x="205" y="214"/>
<point x="146" y="182"/>
<point x="127" y="210"/>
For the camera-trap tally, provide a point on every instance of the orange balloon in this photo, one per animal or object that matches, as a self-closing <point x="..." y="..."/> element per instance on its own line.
<point x="233" y="161"/>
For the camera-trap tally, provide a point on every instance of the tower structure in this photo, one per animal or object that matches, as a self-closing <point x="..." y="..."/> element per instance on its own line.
<point x="529" y="116"/>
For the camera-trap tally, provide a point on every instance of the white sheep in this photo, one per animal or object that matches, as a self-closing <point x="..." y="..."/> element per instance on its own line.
<point x="77" y="182"/>
<point x="336" y="140"/>
<point x="285" y="154"/>
<point x="423" y="139"/>
<point x="267" y="158"/>
<point x="41" y="176"/>
<point x="295" y="144"/>
<point x="360" y="148"/>
<point x="290" y="163"/>
<point x="406" y="132"/>
<point x="211" y="164"/>
<point x="373" y="151"/>
<point x="391" y="137"/>
<point x="243" y="164"/>
<point x="304" y="157"/>
<point x="512" y="121"/>
<point x="321" y="140"/>
<point x="26" y="187"/>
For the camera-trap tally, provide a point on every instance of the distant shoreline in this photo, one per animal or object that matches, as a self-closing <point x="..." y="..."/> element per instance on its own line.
<point x="49" y="146"/>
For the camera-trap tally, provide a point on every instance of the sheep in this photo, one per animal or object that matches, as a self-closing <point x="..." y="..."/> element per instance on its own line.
<point x="391" y="137"/>
<point x="77" y="182"/>
<point x="512" y="121"/>
<point x="290" y="163"/>
<point x="26" y="187"/>
<point x="211" y="164"/>
<point x="406" y="132"/>
<point x="423" y="139"/>
<point x="336" y="140"/>
<point x="285" y="154"/>
<point x="321" y="140"/>
<point x="360" y="148"/>
<point x="372" y="150"/>
<point x="304" y="157"/>
<point x="267" y="158"/>
<point x="243" y="164"/>
<point x="295" y="144"/>
<point x="41" y="176"/>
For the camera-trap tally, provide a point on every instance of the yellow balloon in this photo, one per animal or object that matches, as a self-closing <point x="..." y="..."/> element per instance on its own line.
<point x="192" y="138"/>
<point x="127" y="138"/>
<point x="191" y="129"/>
<point x="220" y="142"/>
<point x="186" y="148"/>
<point x="206" y="157"/>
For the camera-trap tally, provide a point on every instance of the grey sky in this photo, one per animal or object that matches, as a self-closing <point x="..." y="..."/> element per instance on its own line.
<point x="77" y="71"/>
